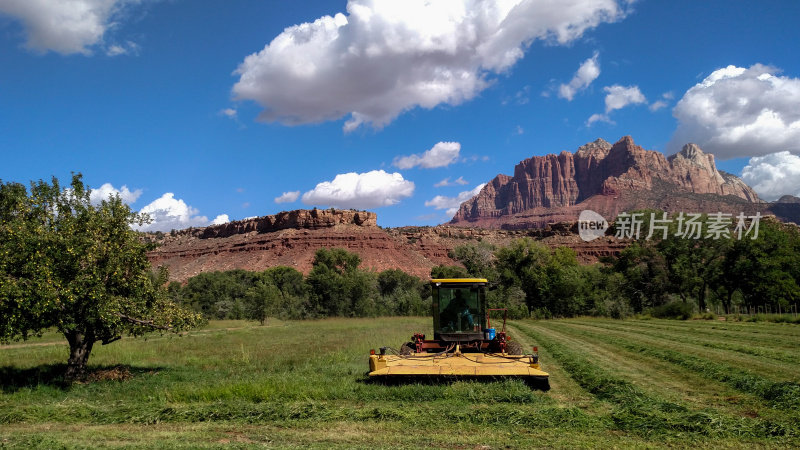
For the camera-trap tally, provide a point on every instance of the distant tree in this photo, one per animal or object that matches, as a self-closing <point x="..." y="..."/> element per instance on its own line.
<point x="478" y="259"/>
<point x="764" y="270"/>
<point x="449" y="272"/>
<point x="262" y="300"/>
<point x="523" y="264"/>
<point x="567" y="290"/>
<point x="219" y="295"/>
<point x="646" y="275"/>
<point x="77" y="267"/>
<point x="401" y="294"/>
<point x="295" y="302"/>
<point x="289" y="280"/>
<point x="338" y="287"/>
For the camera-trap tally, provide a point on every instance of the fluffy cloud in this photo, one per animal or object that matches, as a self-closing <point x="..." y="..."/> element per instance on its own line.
<point x="441" y="155"/>
<point x="587" y="72"/>
<point x="738" y="112"/>
<point x="287" y="197"/>
<point x="67" y="26"/>
<point x="360" y="190"/>
<point x="451" y="204"/>
<point x="597" y="117"/>
<point x="773" y="175"/>
<point x="386" y="57"/>
<point x="106" y="190"/>
<point x="168" y="213"/>
<point x="662" y="103"/>
<point x="220" y="219"/>
<point x="617" y="97"/>
<point x="656" y="105"/>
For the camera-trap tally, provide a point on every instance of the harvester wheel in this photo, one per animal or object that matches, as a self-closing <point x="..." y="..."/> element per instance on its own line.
<point x="514" y="348"/>
<point x="407" y="349"/>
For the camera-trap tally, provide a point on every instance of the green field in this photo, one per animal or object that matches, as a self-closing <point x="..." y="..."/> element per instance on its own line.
<point x="633" y="383"/>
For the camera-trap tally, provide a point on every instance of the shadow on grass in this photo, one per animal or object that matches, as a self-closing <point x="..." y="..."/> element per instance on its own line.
<point x="13" y="379"/>
<point x="535" y="383"/>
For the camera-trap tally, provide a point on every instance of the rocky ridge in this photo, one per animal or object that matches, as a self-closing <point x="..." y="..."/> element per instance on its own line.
<point x="291" y="239"/>
<point x="608" y="179"/>
<point x="542" y="200"/>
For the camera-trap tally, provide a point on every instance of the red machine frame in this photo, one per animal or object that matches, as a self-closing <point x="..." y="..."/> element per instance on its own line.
<point x="423" y="345"/>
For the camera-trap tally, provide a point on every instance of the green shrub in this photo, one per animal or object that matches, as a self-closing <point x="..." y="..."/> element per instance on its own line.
<point x="674" y="310"/>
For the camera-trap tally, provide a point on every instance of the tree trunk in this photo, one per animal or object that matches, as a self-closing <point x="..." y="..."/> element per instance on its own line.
<point x="726" y="302"/>
<point x="701" y="298"/>
<point x="80" y="346"/>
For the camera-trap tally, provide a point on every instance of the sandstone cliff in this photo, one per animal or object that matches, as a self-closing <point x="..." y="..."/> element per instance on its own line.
<point x="608" y="179"/>
<point x="291" y="239"/>
<point x="542" y="200"/>
<point x="288" y="238"/>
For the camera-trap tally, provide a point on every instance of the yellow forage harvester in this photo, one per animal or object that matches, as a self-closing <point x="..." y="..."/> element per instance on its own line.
<point x="465" y="345"/>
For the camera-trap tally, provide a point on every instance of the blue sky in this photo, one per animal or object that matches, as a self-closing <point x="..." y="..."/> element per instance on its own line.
<point x="209" y="110"/>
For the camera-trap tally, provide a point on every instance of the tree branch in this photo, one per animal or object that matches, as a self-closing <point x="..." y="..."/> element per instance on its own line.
<point x="147" y="323"/>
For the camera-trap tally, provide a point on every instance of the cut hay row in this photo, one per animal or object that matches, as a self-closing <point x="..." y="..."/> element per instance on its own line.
<point x="636" y="411"/>
<point x="704" y="341"/>
<point x="774" y="370"/>
<point x="783" y="395"/>
<point x="739" y="329"/>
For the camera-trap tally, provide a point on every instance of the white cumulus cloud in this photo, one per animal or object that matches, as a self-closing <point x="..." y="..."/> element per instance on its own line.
<point x="587" y="72"/>
<point x="773" y="175"/>
<point x="385" y="57"/>
<point x="360" y="190"/>
<point x="106" y="190"/>
<point x="618" y="97"/>
<point x="67" y="26"/>
<point x="170" y="213"/>
<point x="451" y="204"/>
<point x="440" y="155"/>
<point x="220" y="219"/>
<point x="287" y="197"/>
<point x="739" y="111"/>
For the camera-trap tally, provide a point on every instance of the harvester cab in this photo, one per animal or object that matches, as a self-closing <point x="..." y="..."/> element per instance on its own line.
<point x="465" y="343"/>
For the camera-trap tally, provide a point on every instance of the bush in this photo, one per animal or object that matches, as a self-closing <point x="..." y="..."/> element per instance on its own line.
<point x="616" y="308"/>
<point x="675" y="310"/>
<point x="705" y="316"/>
<point x="541" y="313"/>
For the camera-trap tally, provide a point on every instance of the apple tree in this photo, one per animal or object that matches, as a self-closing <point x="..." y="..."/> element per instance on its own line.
<point x="78" y="267"/>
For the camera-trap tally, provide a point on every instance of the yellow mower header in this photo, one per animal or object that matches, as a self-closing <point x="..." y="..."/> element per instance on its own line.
<point x="465" y="344"/>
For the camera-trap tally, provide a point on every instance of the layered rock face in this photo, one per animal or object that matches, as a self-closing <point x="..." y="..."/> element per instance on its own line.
<point x="608" y="179"/>
<point x="292" y="238"/>
<point x="288" y="238"/>
<point x="314" y="219"/>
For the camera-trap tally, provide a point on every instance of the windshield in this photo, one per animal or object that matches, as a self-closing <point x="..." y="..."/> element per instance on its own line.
<point x="459" y="310"/>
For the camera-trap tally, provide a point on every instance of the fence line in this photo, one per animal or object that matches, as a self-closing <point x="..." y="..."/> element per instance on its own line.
<point x="754" y="310"/>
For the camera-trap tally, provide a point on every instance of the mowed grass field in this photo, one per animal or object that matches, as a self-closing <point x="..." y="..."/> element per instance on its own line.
<point x="632" y="383"/>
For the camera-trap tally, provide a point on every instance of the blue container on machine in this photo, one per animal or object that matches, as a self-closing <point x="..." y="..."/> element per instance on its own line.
<point x="490" y="333"/>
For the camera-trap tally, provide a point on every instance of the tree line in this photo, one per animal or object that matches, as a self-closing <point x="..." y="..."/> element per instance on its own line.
<point x="335" y="287"/>
<point x="671" y="277"/>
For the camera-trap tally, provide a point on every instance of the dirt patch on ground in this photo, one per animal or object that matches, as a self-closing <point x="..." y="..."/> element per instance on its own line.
<point x="116" y="373"/>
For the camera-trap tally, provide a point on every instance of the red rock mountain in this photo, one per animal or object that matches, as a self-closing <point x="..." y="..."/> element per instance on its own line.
<point x="291" y="239"/>
<point x="542" y="201"/>
<point x="608" y="179"/>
